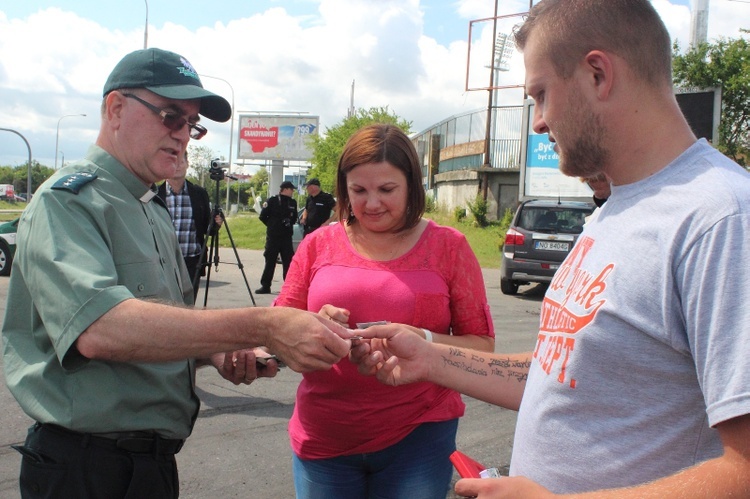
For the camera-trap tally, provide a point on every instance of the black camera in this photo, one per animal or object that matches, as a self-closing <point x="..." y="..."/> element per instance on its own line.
<point x="217" y="169"/>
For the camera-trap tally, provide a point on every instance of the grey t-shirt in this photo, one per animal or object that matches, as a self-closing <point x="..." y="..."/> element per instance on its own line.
<point x="644" y="333"/>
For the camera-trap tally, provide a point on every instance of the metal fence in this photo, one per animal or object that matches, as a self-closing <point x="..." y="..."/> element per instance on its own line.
<point x="505" y="140"/>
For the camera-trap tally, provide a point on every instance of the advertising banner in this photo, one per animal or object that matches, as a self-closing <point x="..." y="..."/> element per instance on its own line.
<point x="276" y="137"/>
<point x="540" y="173"/>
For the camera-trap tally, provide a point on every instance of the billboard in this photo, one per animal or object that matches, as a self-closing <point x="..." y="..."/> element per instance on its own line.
<point x="702" y="110"/>
<point x="276" y="137"/>
<point x="540" y="176"/>
<point x="540" y="173"/>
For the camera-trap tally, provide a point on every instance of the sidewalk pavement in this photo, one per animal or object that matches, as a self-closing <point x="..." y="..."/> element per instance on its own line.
<point x="239" y="446"/>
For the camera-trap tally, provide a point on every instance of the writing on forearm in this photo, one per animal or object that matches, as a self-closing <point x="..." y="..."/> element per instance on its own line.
<point x="455" y="352"/>
<point x="464" y="366"/>
<point x="505" y="368"/>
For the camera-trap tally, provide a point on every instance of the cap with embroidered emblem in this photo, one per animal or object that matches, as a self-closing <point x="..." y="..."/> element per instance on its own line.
<point x="169" y="75"/>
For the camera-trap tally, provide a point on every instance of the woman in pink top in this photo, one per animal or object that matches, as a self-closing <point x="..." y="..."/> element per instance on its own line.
<point x="352" y="436"/>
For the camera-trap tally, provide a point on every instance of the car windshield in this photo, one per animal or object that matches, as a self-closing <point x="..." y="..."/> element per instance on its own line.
<point x="553" y="219"/>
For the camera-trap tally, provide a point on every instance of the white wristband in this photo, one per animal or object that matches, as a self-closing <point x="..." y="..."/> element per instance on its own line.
<point x="427" y="335"/>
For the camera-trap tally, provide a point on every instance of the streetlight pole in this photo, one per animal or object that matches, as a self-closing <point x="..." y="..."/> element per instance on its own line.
<point x="57" y="136"/>
<point x="145" y="29"/>
<point x="28" y="179"/>
<point x="231" y="129"/>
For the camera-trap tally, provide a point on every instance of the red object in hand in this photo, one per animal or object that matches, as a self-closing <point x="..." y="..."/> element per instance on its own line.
<point x="466" y="466"/>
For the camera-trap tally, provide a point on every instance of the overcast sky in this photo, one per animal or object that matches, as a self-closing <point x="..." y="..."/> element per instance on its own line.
<point x="275" y="55"/>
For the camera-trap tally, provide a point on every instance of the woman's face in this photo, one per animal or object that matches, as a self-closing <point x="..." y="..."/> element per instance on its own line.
<point x="378" y="194"/>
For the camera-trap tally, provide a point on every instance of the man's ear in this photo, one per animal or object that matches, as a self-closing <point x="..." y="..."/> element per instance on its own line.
<point x="600" y="69"/>
<point x="113" y="107"/>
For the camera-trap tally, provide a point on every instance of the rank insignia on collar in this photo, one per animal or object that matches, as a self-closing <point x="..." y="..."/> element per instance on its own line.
<point x="74" y="182"/>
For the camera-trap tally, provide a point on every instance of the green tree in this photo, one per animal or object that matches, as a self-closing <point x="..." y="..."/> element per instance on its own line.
<point x="725" y="63"/>
<point x="259" y="183"/>
<point x="199" y="159"/>
<point x="326" y="150"/>
<point x="19" y="176"/>
<point x="6" y="174"/>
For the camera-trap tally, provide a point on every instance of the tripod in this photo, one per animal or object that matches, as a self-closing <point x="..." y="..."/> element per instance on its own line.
<point x="217" y="174"/>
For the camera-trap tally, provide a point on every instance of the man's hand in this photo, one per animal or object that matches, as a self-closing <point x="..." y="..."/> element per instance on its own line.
<point x="501" y="488"/>
<point x="307" y="342"/>
<point x="394" y="354"/>
<point x="240" y="366"/>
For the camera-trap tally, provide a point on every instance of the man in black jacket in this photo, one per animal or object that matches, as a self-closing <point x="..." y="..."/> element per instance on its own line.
<point x="191" y="214"/>
<point x="279" y="214"/>
<point x="317" y="207"/>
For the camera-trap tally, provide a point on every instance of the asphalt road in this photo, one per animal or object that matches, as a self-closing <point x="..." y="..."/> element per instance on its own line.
<point x="239" y="446"/>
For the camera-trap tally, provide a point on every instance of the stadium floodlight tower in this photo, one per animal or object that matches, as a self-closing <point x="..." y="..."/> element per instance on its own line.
<point x="698" y="22"/>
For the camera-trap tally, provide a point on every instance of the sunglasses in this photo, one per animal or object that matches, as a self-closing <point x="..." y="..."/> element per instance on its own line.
<point x="173" y="121"/>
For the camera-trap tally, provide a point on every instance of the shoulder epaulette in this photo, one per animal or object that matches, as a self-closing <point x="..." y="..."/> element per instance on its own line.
<point x="74" y="182"/>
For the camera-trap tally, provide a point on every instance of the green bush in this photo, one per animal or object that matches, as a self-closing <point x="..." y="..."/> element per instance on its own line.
<point x="429" y="204"/>
<point x="459" y="213"/>
<point x="478" y="209"/>
<point x="506" y="220"/>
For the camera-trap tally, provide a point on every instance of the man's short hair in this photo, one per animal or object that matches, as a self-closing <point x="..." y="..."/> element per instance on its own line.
<point x="631" y="29"/>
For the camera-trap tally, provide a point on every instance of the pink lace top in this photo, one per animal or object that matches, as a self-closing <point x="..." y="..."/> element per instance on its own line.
<point x="436" y="285"/>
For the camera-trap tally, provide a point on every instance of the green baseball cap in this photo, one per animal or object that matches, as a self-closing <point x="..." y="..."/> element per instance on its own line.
<point x="169" y="75"/>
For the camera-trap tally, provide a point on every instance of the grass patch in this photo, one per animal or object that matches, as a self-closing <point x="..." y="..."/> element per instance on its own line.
<point x="485" y="241"/>
<point x="10" y="211"/>
<point x="248" y="232"/>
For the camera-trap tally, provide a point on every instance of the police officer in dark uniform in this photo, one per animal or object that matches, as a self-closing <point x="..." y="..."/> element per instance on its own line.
<point x="279" y="214"/>
<point x="317" y="207"/>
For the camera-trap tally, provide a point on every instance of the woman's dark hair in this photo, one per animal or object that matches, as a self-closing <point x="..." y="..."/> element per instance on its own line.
<point x="374" y="144"/>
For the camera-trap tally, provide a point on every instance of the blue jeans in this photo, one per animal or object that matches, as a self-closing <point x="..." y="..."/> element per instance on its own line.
<point x="417" y="467"/>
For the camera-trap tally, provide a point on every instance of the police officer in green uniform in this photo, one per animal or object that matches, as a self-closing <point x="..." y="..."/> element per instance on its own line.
<point x="100" y="346"/>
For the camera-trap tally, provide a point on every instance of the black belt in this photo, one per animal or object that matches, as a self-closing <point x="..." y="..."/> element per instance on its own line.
<point x="136" y="442"/>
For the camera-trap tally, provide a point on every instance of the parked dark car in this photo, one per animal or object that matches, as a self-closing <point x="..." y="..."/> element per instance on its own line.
<point x="7" y="245"/>
<point x="539" y="238"/>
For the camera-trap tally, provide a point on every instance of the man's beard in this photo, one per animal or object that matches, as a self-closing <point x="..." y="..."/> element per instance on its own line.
<point x="586" y="156"/>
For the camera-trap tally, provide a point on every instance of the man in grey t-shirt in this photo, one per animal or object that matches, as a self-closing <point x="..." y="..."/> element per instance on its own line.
<point x="639" y="385"/>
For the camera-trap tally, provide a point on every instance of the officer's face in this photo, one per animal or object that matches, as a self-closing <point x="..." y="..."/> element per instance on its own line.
<point x="141" y="141"/>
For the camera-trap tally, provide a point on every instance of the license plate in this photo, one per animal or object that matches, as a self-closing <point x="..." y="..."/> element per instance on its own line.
<point x="551" y="245"/>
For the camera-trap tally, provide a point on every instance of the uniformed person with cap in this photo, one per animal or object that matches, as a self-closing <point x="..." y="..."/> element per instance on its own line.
<point x="318" y="207"/>
<point x="279" y="214"/>
<point x="102" y="341"/>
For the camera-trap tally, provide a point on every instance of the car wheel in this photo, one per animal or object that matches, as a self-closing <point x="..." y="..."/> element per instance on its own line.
<point x="508" y="287"/>
<point x="6" y="259"/>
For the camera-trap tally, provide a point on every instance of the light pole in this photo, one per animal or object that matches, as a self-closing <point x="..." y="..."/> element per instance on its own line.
<point x="62" y="161"/>
<point x="28" y="178"/>
<point x="145" y="29"/>
<point x="231" y="129"/>
<point x="57" y="136"/>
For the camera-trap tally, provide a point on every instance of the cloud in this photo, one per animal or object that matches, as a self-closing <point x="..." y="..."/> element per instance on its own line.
<point x="271" y="61"/>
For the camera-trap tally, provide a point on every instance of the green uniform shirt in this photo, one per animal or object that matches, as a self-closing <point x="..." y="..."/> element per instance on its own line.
<point x="84" y="245"/>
